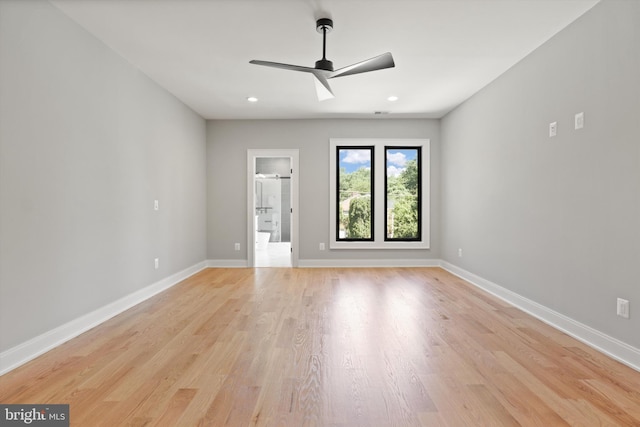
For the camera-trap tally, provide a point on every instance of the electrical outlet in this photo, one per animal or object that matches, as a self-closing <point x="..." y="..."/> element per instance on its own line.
<point x="156" y="263"/>
<point x="553" y="129"/>
<point x="460" y="252"/>
<point x="321" y="246"/>
<point x="237" y="246"/>
<point x="623" y="308"/>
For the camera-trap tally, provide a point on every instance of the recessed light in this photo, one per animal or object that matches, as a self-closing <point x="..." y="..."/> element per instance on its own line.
<point x="392" y="98"/>
<point x="252" y="99"/>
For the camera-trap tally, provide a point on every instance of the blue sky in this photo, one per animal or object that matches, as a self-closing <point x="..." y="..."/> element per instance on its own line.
<point x="398" y="158"/>
<point x="354" y="159"/>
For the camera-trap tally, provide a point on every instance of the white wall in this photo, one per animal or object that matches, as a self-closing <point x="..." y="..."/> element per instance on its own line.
<point x="556" y="220"/>
<point x="228" y="141"/>
<point x="87" y="143"/>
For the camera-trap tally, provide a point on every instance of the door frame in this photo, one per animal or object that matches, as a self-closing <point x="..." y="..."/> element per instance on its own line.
<point x="252" y="155"/>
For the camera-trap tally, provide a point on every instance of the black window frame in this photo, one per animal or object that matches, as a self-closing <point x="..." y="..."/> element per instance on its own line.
<point x="418" y="150"/>
<point x="371" y="149"/>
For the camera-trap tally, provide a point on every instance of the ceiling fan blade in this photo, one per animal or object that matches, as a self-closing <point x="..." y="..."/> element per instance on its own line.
<point x="283" y="66"/>
<point x="379" y="62"/>
<point x="323" y="90"/>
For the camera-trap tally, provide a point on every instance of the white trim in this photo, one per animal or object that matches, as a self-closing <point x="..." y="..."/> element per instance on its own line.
<point x="379" y="164"/>
<point x="368" y="263"/>
<point x="294" y="155"/>
<point x="227" y="263"/>
<point x="22" y="353"/>
<point x="612" y="347"/>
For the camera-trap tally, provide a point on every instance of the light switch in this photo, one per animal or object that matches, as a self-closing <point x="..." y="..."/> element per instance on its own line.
<point x="579" y="120"/>
<point x="553" y="129"/>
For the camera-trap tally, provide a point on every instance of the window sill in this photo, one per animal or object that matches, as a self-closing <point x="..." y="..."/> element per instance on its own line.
<point x="379" y="245"/>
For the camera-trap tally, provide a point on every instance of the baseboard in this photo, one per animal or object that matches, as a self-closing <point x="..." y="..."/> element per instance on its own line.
<point x="227" y="263"/>
<point x="612" y="347"/>
<point x="370" y="263"/>
<point x="22" y="353"/>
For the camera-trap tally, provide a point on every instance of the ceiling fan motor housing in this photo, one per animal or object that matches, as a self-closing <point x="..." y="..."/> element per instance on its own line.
<point x="324" y="64"/>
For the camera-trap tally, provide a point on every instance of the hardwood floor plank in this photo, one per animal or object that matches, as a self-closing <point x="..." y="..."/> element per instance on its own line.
<point x="536" y="382"/>
<point x="328" y="347"/>
<point x="522" y="403"/>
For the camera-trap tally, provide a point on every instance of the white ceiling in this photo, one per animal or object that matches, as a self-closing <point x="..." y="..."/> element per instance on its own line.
<point x="445" y="51"/>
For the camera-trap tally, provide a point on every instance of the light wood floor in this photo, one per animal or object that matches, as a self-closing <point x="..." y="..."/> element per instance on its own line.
<point x="328" y="347"/>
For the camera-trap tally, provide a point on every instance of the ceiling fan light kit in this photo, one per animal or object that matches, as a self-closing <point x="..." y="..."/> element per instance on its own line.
<point x="323" y="70"/>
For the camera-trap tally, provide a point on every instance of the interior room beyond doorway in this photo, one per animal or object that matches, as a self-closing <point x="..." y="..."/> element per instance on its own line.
<point x="272" y="201"/>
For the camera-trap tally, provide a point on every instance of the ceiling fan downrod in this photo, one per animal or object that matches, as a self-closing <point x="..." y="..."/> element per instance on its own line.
<point x="324" y="26"/>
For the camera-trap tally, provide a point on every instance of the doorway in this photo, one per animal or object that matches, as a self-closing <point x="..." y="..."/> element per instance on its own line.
<point x="272" y="195"/>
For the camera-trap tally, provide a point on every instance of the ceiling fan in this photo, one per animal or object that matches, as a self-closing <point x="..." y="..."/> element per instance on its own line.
<point x="323" y="71"/>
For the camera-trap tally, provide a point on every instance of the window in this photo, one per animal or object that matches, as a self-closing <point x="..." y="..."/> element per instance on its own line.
<point x="379" y="193"/>
<point x="402" y="193"/>
<point x="354" y="194"/>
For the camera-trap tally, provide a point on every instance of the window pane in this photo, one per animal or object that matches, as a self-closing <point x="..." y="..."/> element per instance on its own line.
<point x="355" y="193"/>
<point x="402" y="190"/>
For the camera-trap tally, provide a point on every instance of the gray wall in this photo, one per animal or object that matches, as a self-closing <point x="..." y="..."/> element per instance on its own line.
<point x="87" y="143"/>
<point x="227" y="144"/>
<point x="556" y="220"/>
